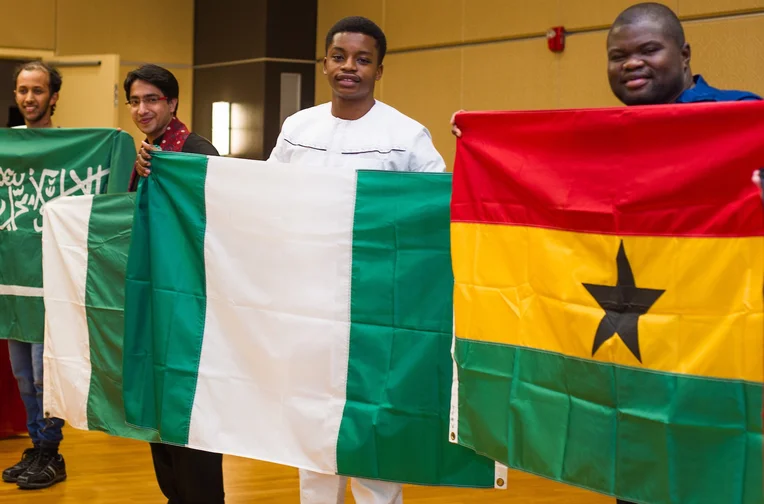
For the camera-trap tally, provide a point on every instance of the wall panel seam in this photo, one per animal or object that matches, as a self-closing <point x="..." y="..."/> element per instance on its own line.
<point x="255" y="60"/>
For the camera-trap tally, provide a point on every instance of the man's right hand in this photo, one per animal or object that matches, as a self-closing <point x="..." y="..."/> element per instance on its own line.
<point x="143" y="162"/>
<point x="454" y="128"/>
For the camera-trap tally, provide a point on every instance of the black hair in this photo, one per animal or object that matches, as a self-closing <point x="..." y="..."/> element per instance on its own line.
<point x="358" y="24"/>
<point x="657" y="12"/>
<point x="54" y="77"/>
<point x="157" y="76"/>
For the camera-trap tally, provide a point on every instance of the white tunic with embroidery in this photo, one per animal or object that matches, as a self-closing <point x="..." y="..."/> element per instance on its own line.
<point x="383" y="139"/>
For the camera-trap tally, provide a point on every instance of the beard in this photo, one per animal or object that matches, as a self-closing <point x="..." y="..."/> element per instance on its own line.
<point x="38" y="113"/>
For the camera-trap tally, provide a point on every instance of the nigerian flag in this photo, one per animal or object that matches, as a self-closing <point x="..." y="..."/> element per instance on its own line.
<point x="85" y="241"/>
<point x="36" y="167"/>
<point x="296" y="315"/>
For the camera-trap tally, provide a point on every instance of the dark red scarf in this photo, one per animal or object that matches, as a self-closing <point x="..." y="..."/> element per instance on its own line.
<point x="173" y="139"/>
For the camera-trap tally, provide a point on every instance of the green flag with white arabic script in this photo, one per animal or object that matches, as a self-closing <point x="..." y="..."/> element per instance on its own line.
<point x="36" y="167"/>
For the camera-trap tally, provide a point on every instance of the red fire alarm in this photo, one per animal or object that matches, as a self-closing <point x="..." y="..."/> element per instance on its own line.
<point x="555" y="38"/>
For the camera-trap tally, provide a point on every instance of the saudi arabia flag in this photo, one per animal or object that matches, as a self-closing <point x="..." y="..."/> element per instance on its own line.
<point x="290" y="314"/>
<point x="37" y="166"/>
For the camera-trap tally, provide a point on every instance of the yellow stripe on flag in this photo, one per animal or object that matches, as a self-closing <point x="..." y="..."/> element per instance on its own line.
<point x="706" y="322"/>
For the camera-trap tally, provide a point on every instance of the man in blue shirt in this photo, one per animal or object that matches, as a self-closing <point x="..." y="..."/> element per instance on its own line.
<point x="649" y="61"/>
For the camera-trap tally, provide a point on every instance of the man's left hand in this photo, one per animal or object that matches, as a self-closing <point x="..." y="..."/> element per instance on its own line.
<point x="143" y="162"/>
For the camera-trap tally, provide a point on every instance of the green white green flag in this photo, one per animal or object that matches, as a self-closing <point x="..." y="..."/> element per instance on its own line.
<point x="297" y="315"/>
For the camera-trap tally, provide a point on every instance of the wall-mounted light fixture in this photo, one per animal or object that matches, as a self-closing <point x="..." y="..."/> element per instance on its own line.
<point x="289" y="96"/>
<point x="221" y="127"/>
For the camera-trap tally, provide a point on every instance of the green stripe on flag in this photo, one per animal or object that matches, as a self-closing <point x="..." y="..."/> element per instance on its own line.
<point x="396" y="419"/>
<point x="172" y="297"/>
<point x="108" y="244"/>
<point x="23" y="319"/>
<point x="591" y="424"/>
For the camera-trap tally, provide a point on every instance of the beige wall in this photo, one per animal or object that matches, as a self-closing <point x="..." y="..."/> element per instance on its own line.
<point x="139" y="31"/>
<point x="31" y="26"/>
<point x="496" y="57"/>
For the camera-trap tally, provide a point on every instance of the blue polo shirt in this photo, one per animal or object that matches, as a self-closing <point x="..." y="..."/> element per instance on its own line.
<point x="702" y="92"/>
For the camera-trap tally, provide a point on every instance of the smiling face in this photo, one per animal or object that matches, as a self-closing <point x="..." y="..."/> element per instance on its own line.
<point x="646" y="66"/>
<point x="33" y="97"/>
<point x="150" y="109"/>
<point x="352" y="66"/>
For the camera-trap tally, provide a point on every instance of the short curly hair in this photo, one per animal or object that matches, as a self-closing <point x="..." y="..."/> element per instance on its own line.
<point x="358" y="24"/>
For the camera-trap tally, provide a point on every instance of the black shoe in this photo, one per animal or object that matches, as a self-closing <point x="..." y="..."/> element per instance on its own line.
<point x="11" y="475"/>
<point x="47" y="470"/>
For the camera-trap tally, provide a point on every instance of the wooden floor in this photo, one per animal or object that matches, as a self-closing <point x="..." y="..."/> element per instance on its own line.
<point x="105" y="469"/>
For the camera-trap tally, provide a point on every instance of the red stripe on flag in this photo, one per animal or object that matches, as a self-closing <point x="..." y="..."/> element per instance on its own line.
<point x="676" y="170"/>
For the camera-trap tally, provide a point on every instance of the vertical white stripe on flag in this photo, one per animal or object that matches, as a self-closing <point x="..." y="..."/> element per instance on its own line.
<point x="66" y="357"/>
<point x="273" y="370"/>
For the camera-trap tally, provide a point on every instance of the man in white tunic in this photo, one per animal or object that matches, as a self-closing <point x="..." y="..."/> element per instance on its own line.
<point x="354" y="131"/>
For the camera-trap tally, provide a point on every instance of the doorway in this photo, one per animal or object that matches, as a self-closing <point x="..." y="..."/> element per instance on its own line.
<point x="10" y="115"/>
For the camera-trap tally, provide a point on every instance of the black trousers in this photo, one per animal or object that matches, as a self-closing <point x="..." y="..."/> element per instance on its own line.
<point x="188" y="476"/>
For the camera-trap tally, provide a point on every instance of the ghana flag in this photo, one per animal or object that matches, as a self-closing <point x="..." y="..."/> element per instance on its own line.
<point x="608" y="298"/>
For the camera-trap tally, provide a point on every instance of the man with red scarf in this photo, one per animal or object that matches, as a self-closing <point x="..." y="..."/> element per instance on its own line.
<point x="185" y="476"/>
<point x="152" y="94"/>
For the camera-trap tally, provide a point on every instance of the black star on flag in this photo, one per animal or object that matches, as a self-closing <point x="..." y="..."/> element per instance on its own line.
<point x="623" y="303"/>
